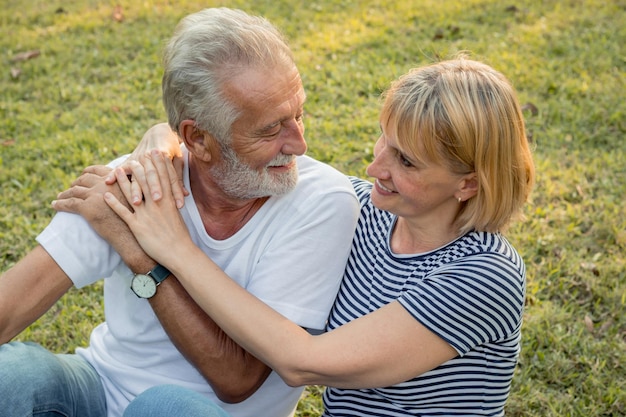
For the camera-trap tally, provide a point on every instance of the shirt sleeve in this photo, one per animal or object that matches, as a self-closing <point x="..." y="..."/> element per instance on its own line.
<point x="76" y="247"/>
<point x="469" y="302"/>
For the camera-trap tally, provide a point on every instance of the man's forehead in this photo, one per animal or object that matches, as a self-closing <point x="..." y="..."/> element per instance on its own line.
<point x="263" y="92"/>
<point x="262" y="81"/>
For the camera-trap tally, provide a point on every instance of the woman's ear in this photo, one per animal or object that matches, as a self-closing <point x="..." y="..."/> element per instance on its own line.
<point x="200" y="143"/>
<point x="468" y="186"/>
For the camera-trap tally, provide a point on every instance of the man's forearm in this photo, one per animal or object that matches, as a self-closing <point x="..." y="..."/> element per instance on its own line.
<point x="28" y="290"/>
<point x="232" y="372"/>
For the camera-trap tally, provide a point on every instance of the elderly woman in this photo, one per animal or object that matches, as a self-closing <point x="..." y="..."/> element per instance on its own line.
<point x="428" y="317"/>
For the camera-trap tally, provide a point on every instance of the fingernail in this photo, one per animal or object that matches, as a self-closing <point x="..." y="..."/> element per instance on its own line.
<point x="179" y="204"/>
<point x="156" y="196"/>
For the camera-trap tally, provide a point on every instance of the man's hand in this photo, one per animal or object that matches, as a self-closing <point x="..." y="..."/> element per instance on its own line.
<point x="85" y="197"/>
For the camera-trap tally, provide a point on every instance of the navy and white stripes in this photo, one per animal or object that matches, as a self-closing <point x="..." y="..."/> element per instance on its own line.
<point x="469" y="292"/>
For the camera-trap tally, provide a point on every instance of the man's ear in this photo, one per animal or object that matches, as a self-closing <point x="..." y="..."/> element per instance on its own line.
<point x="468" y="186"/>
<point x="200" y="143"/>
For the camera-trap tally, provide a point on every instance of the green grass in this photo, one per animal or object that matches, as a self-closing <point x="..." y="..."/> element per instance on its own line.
<point x="94" y="88"/>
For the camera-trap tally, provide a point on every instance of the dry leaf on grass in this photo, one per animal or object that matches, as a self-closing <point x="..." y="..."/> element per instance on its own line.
<point x="589" y="324"/>
<point x="23" y="56"/>
<point x="118" y="14"/>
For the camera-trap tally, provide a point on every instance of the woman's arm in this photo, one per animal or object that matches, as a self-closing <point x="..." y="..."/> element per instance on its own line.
<point x="382" y="348"/>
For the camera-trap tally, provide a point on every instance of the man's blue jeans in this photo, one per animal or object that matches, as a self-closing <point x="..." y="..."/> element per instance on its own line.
<point x="37" y="382"/>
<point x="172" y="400"/>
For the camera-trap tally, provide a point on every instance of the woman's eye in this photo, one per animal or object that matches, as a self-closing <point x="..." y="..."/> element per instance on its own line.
<point x="405" y="162"/>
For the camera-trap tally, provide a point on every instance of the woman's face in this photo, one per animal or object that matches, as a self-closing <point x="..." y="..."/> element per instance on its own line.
<point x="412" y="189"/>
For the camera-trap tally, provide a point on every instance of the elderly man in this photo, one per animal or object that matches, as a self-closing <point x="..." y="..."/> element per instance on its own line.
<point x="269" y="216"/>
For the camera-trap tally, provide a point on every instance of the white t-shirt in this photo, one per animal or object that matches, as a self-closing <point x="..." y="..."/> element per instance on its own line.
<point x="291" y="255"/>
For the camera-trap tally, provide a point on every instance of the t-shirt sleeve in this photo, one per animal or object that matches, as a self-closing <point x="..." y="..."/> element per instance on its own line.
<point x="76" y="247"/>
<point x="301" y="269"/>
<point x="470" y="302"/>
<point x="80" y="252"/>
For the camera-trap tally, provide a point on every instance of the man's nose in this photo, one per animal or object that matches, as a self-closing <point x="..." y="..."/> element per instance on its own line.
<point x="295" y="144"/>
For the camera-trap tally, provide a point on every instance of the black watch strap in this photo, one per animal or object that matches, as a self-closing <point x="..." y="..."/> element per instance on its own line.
<point x="159" y="273"/>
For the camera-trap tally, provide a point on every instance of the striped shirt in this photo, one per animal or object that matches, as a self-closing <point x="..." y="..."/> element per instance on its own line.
<point x="469" y="292"/>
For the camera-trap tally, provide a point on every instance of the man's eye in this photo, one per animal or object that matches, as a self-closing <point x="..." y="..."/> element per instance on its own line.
<point x="272" y="130"/>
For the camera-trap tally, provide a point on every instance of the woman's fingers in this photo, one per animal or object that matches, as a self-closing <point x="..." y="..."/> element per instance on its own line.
<point x="137" y="194"/>
<point x="155" y="224"/>
<point x="178" y="188"/>
<point x="162" y="139"/>
<point x="151" y="177"/>
<point x="124" y="182"/>
<point x="152" y="182"/>
<point x="111" y="177"/>
<point x="165" y="172"/>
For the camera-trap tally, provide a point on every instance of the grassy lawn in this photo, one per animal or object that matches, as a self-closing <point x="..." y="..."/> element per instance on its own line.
<point x="80" y="82"/>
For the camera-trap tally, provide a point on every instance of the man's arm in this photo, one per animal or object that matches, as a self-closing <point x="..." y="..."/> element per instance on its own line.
<point x="28" y="290"/>
<point x="233" y="373"/>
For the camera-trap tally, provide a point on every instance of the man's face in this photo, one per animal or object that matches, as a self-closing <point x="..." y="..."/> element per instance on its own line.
<point x="267" y="136"/>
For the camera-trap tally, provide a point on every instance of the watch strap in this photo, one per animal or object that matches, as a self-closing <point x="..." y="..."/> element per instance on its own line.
<point x="159" y="273"/>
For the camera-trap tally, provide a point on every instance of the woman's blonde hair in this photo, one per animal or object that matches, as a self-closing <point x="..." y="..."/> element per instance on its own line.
<point x="465" y="115"/>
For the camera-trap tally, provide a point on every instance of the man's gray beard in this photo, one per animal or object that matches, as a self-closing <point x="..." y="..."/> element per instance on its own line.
<point x="238" y="180"/>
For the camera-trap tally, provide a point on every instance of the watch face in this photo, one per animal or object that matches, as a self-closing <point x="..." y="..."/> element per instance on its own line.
<point x="143" y="286"/>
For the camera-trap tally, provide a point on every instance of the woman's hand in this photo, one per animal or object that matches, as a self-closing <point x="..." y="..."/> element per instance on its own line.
<point x="161" y="138"/>
<point x="156" y="224"/>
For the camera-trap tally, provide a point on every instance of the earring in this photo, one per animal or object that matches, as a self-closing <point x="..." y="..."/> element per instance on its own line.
<point x="459" y="200"/>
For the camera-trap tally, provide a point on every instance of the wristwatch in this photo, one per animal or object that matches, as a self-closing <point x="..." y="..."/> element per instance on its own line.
<point x="145" y="285"/>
